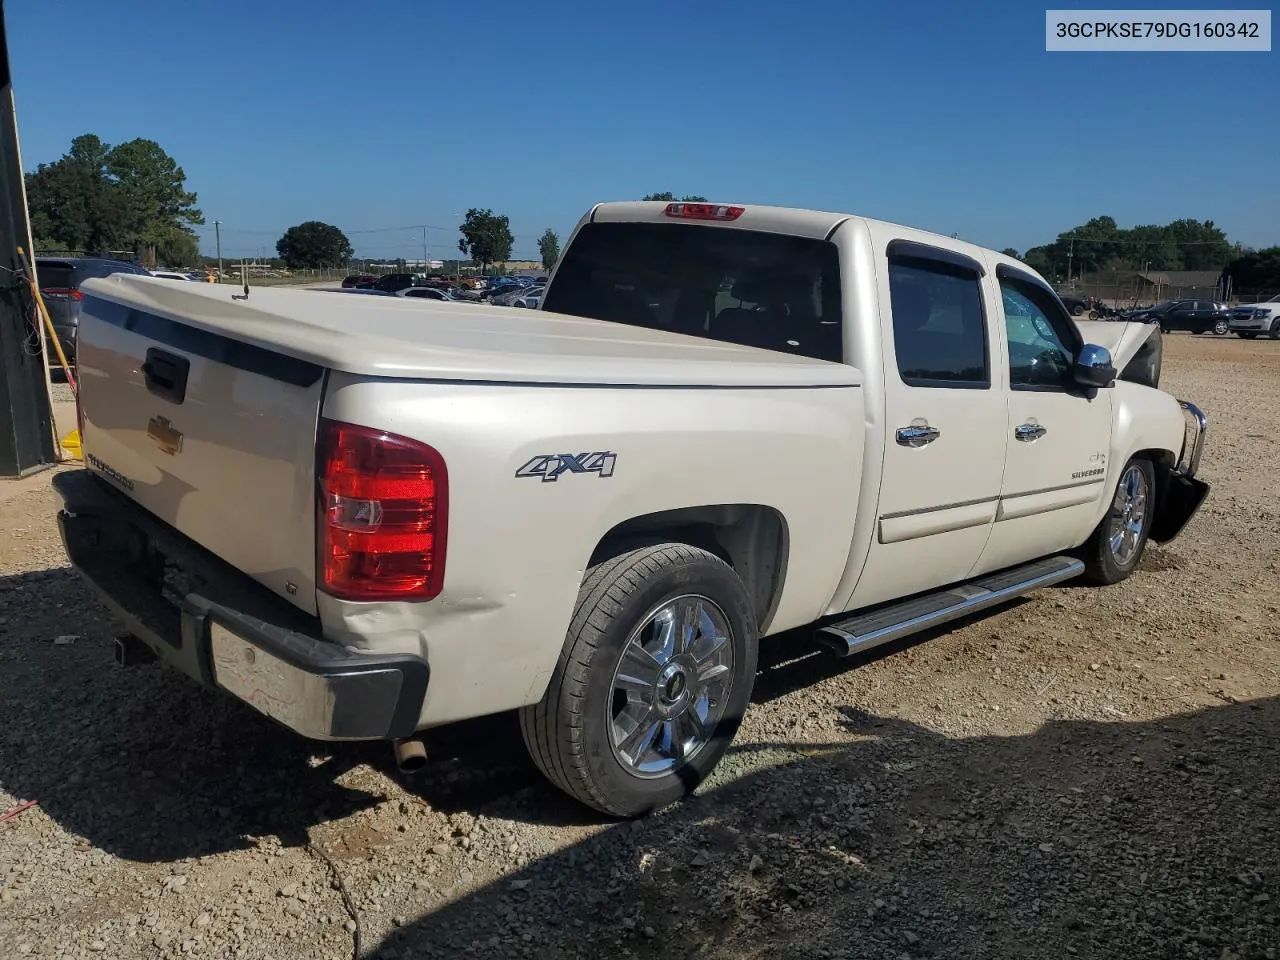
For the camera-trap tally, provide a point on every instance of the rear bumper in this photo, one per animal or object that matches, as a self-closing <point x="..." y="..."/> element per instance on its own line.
<point x="224" y="630"/>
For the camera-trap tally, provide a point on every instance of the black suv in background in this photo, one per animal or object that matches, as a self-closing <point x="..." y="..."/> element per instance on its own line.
<point x="391" y="282"/>
<point x="60" y="279"/>
<point x="1197" y="316"/>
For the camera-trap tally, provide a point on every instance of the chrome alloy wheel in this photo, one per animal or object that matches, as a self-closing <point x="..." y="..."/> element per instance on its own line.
<point x="671" y="686"/>
<point x="1128" y="515"/>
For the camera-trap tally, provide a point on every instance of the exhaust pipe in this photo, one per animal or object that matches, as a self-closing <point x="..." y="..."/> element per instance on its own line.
<point x="130" y="651"/>
<point x="411" y="755"/>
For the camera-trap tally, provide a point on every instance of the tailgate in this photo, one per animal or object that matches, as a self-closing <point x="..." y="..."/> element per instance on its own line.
<point x="212" y="435"/>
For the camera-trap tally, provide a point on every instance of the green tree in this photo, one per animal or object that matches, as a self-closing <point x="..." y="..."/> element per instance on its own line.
<point x="101" y="198"/>
<point x="313" y="244"/>
<point x="549" y="247"/>
<point x="156" y="209"/>
<point x="1256" y="271"/>
<point x="1010" y="252"/>
<point x="669" y="197"/>
<point x="1100" y="244"/>
<point x="486" y="237"/>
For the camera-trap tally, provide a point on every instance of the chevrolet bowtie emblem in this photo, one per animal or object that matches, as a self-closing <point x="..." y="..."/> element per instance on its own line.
<point x="166" y="437"/>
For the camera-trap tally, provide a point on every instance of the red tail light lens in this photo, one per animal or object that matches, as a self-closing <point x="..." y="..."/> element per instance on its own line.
<point x="62" y="293"/>
<point x="703" y="211"/>
<point x="383" y="514"/>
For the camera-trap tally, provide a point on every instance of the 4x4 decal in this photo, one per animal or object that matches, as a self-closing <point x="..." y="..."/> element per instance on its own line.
<point x="549" y="466"/>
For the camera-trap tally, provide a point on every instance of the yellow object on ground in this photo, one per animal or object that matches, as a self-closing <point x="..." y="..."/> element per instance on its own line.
<point x="71" y="444"/>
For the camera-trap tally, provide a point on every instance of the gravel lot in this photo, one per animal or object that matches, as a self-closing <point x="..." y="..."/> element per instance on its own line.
<point x="1088" y="773"/>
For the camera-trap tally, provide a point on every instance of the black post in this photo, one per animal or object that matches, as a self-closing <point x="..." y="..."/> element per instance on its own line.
<point x="26" y="420"/>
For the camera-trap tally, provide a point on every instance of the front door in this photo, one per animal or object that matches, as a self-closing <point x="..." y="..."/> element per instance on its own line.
<point x="945" y="424"/>
<point x="1059" y="433"/>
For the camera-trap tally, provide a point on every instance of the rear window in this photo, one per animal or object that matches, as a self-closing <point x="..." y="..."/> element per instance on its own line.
<point x="746" y="287"/>
<point x="69" y="275"/>
<point x="56" y="275"/>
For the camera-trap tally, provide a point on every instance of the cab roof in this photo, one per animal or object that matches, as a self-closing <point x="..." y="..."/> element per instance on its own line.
<point x="818" y="224"/>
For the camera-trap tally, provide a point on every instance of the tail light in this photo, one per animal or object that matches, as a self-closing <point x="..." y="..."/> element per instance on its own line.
<point x="61" y="293"/>
<point x="703" y="211"/>
<point x="383" y="514"/>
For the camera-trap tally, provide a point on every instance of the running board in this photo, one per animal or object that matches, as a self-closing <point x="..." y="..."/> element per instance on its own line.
<point x="905" y="617"/>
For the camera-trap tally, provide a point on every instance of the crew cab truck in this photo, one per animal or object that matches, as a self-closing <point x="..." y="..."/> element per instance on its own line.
<point x="366" y="518"/>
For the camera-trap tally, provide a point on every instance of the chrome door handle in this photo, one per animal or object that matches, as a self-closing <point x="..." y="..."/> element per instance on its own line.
<point x="916" y="436"/>
<point x="1027" y="432"/>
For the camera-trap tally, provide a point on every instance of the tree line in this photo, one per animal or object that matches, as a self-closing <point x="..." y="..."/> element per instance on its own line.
<point x="132" y="198"/>
<point x="1101" y="244"/>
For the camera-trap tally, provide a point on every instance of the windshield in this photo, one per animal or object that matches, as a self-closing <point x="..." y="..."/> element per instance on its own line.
<point x="748" y="287"/>
<point x="1275" y="299"/>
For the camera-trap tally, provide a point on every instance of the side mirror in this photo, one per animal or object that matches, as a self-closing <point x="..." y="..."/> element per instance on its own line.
<point x="1093" y="367"/>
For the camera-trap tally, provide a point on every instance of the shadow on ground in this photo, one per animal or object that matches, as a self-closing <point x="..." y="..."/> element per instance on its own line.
<point x="1083" y="839"/>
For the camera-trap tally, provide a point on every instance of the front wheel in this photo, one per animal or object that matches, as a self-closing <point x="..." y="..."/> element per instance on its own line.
<point x="1274" y="333"/>
<point x="1115" y="548"/>
<point x="655" y="675"/>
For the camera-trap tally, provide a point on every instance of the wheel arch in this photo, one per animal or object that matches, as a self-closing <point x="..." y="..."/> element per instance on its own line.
<point x="751" y="538"/>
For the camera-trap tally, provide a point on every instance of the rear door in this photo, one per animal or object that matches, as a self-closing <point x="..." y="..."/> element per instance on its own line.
<point x="1058" y="433"/>
<point x="946" y="414"/>
<point x="212" y="435"/>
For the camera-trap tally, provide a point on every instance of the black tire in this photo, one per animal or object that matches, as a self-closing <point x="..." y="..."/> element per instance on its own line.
<point x="1245" y="336"/>
<point x="1077" y="311"/>
<point x="569" y="732"/>
<point x="1274" y="333"/>
<point x="1102" y="564"/>
<point x="1220" y="328"/>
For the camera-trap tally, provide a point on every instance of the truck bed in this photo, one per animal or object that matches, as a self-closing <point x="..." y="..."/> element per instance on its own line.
<point x="393" y="337"/>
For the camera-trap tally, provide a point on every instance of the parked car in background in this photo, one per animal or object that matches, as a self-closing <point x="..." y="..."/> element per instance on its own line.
<point x="358" y="279"/>
<point x="1076" y="306"/>
<point x="1196" y="316"/>
<point x="391" y="282"/>
<point x="60" y="278"/>
<point x="508" y="296"/>
<point x="429" y="293"/>
<point x="172" y="275"/>
<point x="529" y="297"/>
<point x="1249" y="320"/>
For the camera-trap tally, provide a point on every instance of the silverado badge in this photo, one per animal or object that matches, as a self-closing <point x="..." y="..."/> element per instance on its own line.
<point x="166" y="437"/>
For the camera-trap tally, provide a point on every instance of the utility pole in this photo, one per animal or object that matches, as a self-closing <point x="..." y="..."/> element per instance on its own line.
<point x="217" y="232"/>
<point x="1070" y="253"/>
<point x="425" y="265"/>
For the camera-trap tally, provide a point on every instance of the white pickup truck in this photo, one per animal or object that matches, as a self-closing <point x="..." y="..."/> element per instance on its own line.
<point x="367" y="517"/>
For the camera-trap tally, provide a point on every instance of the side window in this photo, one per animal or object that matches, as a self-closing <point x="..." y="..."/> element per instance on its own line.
<point x="939" y="330"/>
<point x="1038" y="356"/>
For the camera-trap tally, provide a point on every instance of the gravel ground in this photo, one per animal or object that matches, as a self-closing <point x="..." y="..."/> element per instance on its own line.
<point x="1087" y="773"/>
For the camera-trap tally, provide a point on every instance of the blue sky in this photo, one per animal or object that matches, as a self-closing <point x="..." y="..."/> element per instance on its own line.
<point x="945" y="115"/>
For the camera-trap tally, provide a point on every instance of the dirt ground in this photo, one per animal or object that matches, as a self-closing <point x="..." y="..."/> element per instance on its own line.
<point x="1087" y="773"/>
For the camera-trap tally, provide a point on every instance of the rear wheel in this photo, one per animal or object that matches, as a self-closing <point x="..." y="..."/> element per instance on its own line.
<point x="1116" y="545"/>
<point x="652" y="683"/>
<point x="1220" y="328"/>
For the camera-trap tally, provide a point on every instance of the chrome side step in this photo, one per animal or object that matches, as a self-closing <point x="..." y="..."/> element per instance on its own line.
<point x="905" y="617"/>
